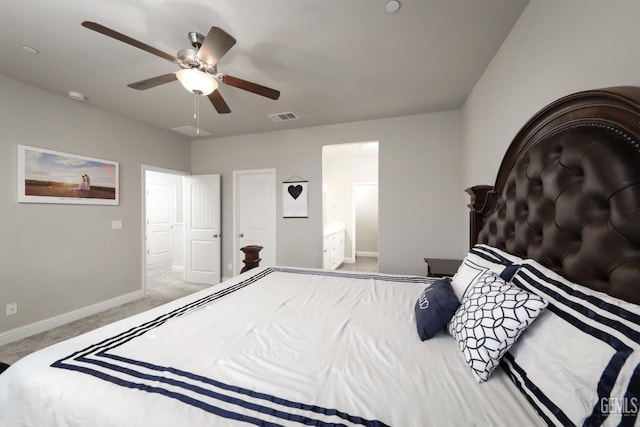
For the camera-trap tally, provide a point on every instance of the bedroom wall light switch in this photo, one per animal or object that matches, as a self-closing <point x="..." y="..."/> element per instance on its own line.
<point x="116" y="225"/>
<point x="12" y="309"/>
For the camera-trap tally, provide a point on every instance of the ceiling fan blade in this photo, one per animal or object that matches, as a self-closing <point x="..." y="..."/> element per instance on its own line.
<point x="215" y="45"/>
<point x="126" y="39"/>
<point x="251" y="87"/>
<point x="218" y="102"/>
<point x="153" y="81"/>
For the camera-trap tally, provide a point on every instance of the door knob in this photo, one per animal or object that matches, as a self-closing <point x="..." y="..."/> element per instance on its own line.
<point x="241" y="235"/>
<point x="215" y="236"/>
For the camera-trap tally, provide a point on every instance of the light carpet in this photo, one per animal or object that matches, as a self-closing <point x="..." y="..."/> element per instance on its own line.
<point x="156" y="296"/>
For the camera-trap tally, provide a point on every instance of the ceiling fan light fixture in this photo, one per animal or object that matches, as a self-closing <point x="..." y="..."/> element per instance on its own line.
<point x="196" y="81"/>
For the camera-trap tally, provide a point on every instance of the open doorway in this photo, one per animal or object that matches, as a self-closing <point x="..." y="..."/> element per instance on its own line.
<point x="350" y="206"/>
<point x="164" y="227"/>
<point x="181" y="228"/>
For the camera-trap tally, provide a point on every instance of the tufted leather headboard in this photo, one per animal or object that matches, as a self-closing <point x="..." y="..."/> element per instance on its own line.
<point x="568" y="192"/>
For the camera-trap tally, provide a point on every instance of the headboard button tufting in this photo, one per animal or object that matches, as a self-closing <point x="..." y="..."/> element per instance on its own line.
<point x="568" y="192"/>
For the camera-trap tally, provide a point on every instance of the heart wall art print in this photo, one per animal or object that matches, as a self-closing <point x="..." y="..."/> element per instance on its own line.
<point x="295" y="199"/>
<point x="295" y="191"/>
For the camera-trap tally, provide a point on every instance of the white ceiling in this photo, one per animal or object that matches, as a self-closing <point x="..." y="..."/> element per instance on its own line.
<point x="333" y="61"/>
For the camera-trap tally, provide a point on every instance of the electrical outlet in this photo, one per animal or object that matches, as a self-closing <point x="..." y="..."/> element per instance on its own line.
<point x="12" y="309"/>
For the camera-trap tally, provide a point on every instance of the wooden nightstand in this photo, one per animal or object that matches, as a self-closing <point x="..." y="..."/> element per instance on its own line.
<point x="438" y="267"/>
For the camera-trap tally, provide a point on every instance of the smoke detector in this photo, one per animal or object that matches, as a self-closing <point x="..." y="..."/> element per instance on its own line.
<point x="393" y="6"/>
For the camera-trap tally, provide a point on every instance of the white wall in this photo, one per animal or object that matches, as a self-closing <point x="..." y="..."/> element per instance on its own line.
<point x="556" y="48"/>
<point x="55" y="259"/>
<point x="420" y="182"/>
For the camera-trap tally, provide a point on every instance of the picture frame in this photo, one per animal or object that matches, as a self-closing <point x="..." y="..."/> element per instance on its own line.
<point x="47" y="176"/>
<point x="295" y="199"/>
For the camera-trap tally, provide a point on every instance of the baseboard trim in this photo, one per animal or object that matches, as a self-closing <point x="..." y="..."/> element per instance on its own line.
<point x="177" y="268"/>
<point x="368" y="254"/>
<point x="62" y="319"/>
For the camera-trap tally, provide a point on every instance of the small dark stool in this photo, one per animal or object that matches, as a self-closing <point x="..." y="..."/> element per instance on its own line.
<point x="251" y="257"/>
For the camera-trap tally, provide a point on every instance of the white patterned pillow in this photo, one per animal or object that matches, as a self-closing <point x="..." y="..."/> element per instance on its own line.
<point x="491" y="317"/>
<point x="480" y="259"/>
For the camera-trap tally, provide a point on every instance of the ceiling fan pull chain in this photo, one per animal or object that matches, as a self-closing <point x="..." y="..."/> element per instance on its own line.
<point x="195" y="106"/>
<point x="196" y="114"/>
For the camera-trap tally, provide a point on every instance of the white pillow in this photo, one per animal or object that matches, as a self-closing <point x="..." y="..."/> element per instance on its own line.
<point x="491" y="317"/>
<point x="480" y="259"/>
<point x="580" y="362"/>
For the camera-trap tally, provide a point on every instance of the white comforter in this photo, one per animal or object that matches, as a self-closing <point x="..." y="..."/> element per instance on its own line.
<point x="273" y="346"/>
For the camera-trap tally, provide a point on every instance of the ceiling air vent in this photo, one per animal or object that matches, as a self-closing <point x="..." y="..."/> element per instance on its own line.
<point x="281" y="117"/>
<point x="190" y="131"/>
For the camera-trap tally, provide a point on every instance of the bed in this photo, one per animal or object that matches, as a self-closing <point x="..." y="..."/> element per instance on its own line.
<point x="551" y="285"/>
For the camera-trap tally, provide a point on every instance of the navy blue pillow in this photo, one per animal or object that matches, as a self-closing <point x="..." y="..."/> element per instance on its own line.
<point x="435" y="307"/>
<point x="510" y="271"/>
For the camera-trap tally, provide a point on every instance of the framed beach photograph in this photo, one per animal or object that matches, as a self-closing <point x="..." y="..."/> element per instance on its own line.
<point x="46" y="176"/>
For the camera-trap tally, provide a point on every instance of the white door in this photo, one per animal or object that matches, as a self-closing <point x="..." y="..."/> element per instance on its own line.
<point x="254" y="193"/>
<point x="202" y="229"/>
<point x="160" y="203"/>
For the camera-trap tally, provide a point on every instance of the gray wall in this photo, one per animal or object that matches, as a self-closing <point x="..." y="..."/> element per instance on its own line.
<point x="420" y="180"/>
<point x="58" y="258"/>
<point x="556" y="48"/>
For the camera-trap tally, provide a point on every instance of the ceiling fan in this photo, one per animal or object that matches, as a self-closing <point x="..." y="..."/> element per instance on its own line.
<point x="198" y="65"/>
